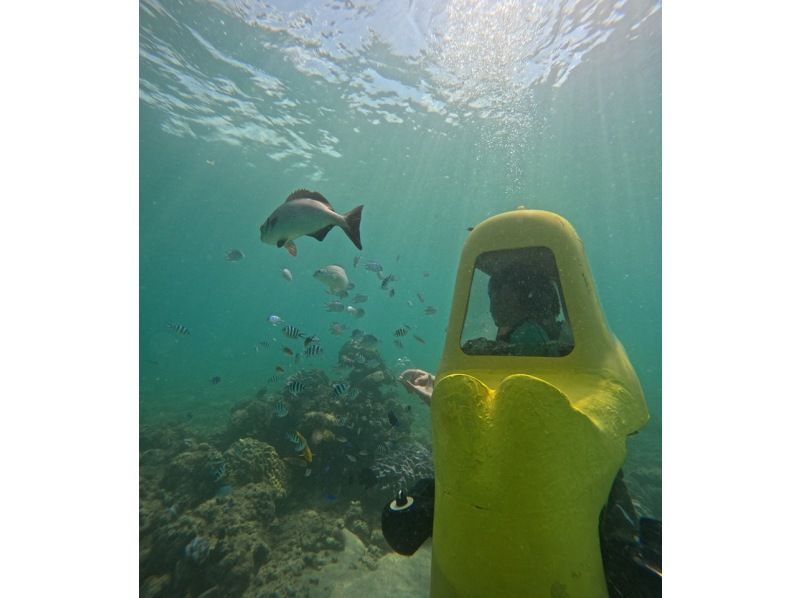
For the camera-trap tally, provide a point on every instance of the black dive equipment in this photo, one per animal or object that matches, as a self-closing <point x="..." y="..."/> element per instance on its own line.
<point x="407" y="521"/>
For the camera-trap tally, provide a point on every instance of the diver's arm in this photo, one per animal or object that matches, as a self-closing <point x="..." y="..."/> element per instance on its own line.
<point x="419" y="382"/>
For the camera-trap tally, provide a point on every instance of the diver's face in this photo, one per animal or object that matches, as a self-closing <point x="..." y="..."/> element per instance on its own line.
<point x="505" y="306"/>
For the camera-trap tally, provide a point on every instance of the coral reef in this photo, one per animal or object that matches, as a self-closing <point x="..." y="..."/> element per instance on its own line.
<point x="194" y="473"/>
<point x="252" y="461"/>
<point x="402" y="466"/>
<point x="205" y="515"/>
<point x="257" y="508"/>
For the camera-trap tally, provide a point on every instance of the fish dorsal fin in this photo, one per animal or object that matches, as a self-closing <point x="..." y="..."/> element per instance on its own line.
<point x="306" y="194"/>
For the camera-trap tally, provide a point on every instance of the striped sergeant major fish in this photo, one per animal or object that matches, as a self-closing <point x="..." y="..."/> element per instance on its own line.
<point x="179" y="328"/>
<point x="300" y="445"/>
<point x="292" y="331"/>
<point x="281" y="410"/>
<point x="402" y="331"/>
<point x="313" y="350"/>
<point x="295" y="387"/>
<point x="340" y="389"/>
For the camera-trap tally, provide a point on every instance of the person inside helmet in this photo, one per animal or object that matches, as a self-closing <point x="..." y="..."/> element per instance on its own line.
<point x="524" y="306"/>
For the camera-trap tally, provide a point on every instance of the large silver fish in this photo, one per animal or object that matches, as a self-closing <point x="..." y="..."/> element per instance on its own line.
<point x="308" y="213"/>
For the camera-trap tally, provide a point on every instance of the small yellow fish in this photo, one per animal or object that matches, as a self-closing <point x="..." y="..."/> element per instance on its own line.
<point x="306" y="452"/>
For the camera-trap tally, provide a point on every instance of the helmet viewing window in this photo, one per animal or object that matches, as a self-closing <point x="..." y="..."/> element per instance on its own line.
<point x="516" y="306"/>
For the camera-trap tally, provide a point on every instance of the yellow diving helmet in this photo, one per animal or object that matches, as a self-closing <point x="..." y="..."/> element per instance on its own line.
<point x="527" y="442"/>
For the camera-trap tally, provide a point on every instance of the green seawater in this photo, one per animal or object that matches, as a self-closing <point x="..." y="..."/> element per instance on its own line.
<point x="434" y="119"/>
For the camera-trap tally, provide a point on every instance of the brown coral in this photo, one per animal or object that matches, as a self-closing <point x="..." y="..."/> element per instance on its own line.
<point x="252" y="461"/>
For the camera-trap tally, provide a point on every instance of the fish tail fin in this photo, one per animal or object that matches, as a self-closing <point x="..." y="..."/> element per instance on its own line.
<point x="352" y="225"/>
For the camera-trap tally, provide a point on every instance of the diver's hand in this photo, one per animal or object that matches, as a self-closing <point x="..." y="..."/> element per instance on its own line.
<point x="418" y="382"/>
